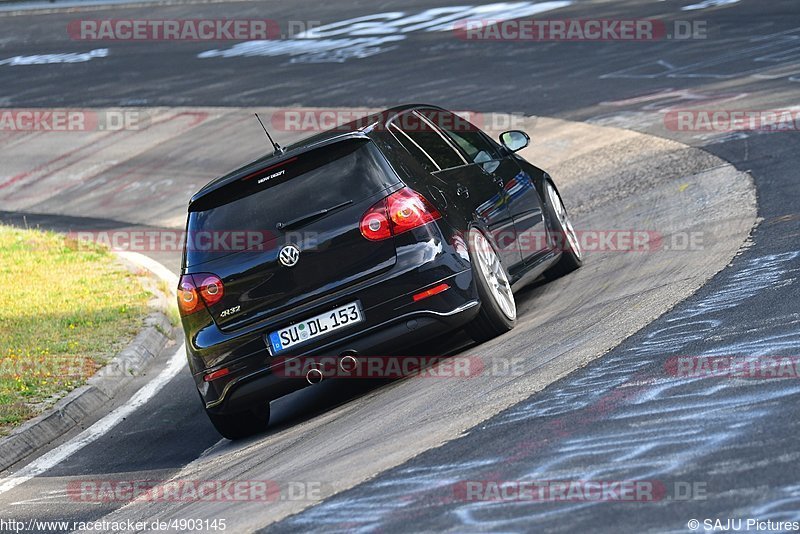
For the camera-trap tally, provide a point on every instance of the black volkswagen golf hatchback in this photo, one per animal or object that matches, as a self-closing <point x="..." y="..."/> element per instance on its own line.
<point x="364" y="240"/>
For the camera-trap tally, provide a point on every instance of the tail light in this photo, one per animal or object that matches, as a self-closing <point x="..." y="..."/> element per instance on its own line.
<point x="375" y="222"/>
<point x="198" y="290"/>
<point x="400" y="212"/>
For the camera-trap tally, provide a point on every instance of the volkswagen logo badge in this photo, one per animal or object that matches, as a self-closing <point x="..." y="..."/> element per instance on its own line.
<point x="289" y="255"/>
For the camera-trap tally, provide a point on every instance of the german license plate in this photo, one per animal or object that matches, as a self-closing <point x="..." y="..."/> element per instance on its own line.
<point x="316" y="327"/>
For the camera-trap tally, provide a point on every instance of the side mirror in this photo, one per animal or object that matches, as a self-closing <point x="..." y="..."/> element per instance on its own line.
<point x="514" y="140"/>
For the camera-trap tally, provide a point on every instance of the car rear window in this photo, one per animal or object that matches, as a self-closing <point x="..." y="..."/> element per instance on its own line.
<point x="327" y="177"/>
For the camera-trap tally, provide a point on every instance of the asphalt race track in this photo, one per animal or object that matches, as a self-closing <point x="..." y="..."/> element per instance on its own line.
<point x="591" y="395"/>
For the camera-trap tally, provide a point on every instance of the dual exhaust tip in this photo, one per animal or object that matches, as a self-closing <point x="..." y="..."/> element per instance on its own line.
<point x="314" y="376"/>
<point x="347" y="363"/>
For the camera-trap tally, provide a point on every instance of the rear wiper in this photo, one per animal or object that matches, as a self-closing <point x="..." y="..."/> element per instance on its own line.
<point x="310" y="216"/>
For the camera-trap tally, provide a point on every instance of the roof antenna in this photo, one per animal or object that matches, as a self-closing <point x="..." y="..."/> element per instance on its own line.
<point x="277" y="149"/>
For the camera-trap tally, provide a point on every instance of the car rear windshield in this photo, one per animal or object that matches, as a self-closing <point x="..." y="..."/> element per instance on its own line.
<point x="247" y="212"/>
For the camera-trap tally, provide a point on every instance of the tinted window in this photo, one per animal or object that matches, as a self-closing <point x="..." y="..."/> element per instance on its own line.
<point x="476" y="147"/>
<point x="464" y="134"/>
<point x="327" y="177"/>
<point x="415" y="151"/>
<point x="427" y="139"/>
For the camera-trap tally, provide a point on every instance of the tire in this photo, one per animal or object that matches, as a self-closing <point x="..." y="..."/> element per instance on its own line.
<point x="566" y="237"/>
<point x="498" y="312"/>
<point x="240" y="425"/>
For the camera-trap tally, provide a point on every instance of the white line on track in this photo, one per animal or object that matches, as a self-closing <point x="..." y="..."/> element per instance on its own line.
<point x="49" y="460"/>
<point x="153" y="266"/>
<point x="175" y="364"/>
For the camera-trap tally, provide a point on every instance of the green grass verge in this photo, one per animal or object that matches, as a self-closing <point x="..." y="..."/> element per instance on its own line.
<point x="65" y="310"/>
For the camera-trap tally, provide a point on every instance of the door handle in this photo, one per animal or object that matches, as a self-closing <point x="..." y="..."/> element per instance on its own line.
<point x="499" y="181"/>
<point x="462" y="191"/>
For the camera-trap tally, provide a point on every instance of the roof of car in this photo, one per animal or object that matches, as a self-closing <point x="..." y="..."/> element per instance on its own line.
<point x="359" y="128"/>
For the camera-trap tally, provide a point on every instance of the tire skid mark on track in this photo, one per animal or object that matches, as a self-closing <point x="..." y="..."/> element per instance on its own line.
<point x="630" y="387"/>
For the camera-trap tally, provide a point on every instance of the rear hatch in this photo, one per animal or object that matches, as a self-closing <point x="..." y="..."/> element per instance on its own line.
<point x="313" y="201"/>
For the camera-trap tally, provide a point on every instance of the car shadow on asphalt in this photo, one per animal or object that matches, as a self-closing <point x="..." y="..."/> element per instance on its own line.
<point x="313" y="401"/>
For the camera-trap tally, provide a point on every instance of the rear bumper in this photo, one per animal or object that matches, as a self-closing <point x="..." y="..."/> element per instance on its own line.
<point x="264" y="385"/>
<point x="393" y="322"/>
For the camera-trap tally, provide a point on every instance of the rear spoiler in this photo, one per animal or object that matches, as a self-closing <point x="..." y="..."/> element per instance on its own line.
<point x="274" y="171"/>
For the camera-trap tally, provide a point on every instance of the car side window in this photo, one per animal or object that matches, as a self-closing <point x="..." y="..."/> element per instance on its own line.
<point x="474" y="145"/>
<point x="477" y="148"/>
<point x="416" y="131"/>
<point x="420" y="155"/>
